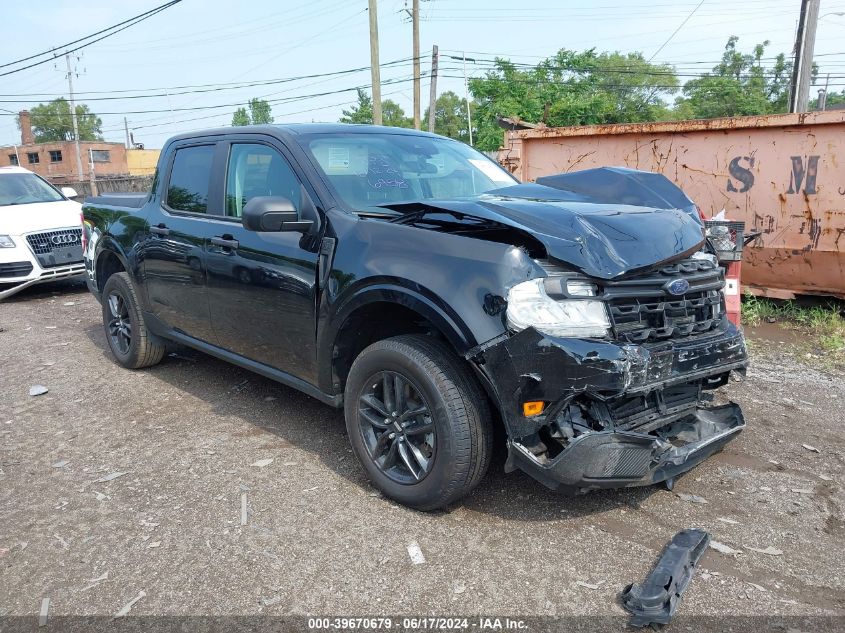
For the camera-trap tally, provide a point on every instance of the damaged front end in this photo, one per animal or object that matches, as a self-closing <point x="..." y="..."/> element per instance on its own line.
<point x="631" y="407"/>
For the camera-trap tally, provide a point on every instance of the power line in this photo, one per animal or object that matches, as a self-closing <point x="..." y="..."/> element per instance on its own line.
<point x="675" y="32"/>
<point x="112" y="30"/>
<point x="202" y="88"/>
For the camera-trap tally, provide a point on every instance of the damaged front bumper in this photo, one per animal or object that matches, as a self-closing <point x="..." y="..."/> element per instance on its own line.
<point x="617" y="414"/>
<point x="610" y="459"/>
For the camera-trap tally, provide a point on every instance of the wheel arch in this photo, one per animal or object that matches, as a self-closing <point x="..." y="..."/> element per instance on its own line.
<point x="381" y="311"/>
<point x="110" y="260"/>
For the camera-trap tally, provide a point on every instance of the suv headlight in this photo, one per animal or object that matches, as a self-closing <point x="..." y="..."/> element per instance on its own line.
<point x="6" y="242"/>
<point x="530" y="306"/>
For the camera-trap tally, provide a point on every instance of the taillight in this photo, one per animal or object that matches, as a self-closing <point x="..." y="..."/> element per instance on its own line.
<point x="700" y="213"/>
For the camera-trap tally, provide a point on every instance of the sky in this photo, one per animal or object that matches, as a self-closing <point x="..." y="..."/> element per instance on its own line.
<point x="142" y="73"/>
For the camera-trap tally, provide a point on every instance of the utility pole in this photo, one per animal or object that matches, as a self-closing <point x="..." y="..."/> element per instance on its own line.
<point x="92" y="179"/>
<point x="466" y="96"/>
<point x="432" y="94"/>
<point x="415" y="19"/>
<point x="374" y="63"/>
<point x="805" y="43"/>
<point x="126" y="127"/>
<point x="73" y="118"/>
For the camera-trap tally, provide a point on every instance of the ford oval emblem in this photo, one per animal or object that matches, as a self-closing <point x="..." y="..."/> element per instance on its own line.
<point x="677" y="287"/>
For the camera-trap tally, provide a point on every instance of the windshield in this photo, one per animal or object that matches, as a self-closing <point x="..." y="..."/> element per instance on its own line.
<point x="25" y="189"/>
<point x="376" y="170"/>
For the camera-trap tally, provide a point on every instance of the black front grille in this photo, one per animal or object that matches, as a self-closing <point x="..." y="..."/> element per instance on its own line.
<point x="44" y="243"/>
<point x="642" y="308"/>
<point x="15" y="269"/>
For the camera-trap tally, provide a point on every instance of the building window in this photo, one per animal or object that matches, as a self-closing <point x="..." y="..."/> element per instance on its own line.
<point x="100" y="156"/>
<point x="55" y="155"/>
<point x="32" y="157"/>
<point x="13" y="159"/>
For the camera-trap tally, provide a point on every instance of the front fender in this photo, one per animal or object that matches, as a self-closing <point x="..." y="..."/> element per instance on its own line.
<point x="458" y="283"/>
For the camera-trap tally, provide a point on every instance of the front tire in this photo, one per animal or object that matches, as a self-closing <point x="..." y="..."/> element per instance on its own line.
<point x="418" y="421"/>
<point x="131" y="343"/>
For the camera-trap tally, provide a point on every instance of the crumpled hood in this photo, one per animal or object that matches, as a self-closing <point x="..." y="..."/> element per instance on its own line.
<point x="601" y="240"/>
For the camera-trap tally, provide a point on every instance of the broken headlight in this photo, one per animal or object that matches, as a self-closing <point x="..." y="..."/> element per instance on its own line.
<point x="530" y="306"/>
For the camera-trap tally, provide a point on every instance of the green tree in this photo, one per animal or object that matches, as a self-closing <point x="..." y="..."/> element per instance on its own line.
<point x="241" y="117"/>
<point x="392" y="113"/>
<point x="571" y="89"/>
<point x="52" y="122"/>
<point x="740" y="85"/>
<point x="361" y="112"/>
<point x="259" y="113"/>
<point x="450" y="116"/>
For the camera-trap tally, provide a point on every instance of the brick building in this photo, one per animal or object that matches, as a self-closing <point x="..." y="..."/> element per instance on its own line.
<point x="57" y="161"/>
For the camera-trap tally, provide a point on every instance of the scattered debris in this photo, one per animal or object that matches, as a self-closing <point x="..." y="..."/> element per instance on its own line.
<point x="243" y="508"/>
<point x="724" y="549"/>
<point x="261" y="463"/>
<point x="240" y="386"/>
<point x="803" y="491"/>
<point x="771" y="551"/>
<point x="69" y="303"/>
<point x="459" y="587"/>
<point x="269" y="398"/>
<point x="587" y="585"/>
<point x="154" y="544"/>
<point x="416" y="554"/>
<point x="727" y="520"/>
<point x="758" y="587"/>
<point x="96" y="581"/>
<point x="691" y="498"/>
<point x="111" y="476"/>
<point x="100" y="496"/>
<point x="4" y="551"/>
<point x="825" y="477"/>
<point x="812" y="449"/>
<point x="268" y="602"/>
<point x="43" y="616"/>
<point x="61" y="540"/>
<point x="128" y="606"/>
<point x="61" y="464"/>
<point x="657" y="599"/>
<point x="38" y="390"/>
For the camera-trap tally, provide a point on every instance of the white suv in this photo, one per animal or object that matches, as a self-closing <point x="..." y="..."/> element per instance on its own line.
<point x="40" y="231"/>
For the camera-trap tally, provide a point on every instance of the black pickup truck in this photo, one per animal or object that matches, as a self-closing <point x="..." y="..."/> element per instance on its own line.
<point x="412" y="281"/>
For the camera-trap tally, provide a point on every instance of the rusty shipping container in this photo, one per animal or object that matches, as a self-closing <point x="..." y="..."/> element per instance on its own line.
<point x="783" y="175"/>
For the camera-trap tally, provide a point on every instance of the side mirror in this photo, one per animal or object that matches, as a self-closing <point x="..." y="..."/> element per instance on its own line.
<point x="273" y="213"/>
<point x="69" y="192"/>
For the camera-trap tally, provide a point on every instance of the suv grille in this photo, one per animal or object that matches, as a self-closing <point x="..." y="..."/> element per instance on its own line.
<point x="642" y="309"/>
<point x="43" y="243"/>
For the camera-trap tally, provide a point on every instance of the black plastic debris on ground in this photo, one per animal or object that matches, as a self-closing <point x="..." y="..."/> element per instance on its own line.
<point x="656" y="600"/>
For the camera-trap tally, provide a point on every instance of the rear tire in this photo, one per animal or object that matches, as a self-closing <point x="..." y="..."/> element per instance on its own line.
<point x="435" y="447"/>
<point x="131" y="343"/>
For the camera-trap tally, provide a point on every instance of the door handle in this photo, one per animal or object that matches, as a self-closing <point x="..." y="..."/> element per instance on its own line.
<point x="225" y="243"/>
<point x="160" y="230"/>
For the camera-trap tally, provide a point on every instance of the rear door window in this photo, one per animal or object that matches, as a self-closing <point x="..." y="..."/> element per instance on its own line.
<point x="190" y="177"/>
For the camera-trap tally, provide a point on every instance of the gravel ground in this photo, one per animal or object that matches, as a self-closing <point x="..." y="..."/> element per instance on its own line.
<point x="117" y="482"/>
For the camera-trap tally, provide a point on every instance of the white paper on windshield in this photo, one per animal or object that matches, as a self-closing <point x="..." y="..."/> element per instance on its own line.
<point x="338" y="158"/>
<point x="491" y="171"/>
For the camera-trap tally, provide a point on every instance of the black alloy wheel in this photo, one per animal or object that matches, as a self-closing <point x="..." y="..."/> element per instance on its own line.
<point x="397" y="427"/>
<point x="119" y="326"/>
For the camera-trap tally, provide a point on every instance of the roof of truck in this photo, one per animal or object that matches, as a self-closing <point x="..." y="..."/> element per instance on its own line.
<point x="295" y="129"/>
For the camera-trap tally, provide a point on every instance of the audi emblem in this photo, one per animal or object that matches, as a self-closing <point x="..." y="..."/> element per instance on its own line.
<point x="67" y="238"/>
